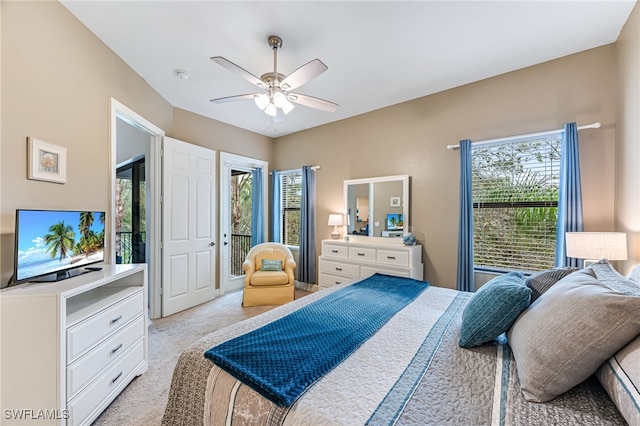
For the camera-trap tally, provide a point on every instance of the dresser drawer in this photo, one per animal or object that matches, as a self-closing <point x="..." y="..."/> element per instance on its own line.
<point x="84" y="369"/>
<point x="362" y="254"/>
<point x="335" y="250"/>
<point x="81" y="337"/>
<point x="329" y="280"/>
<point x="339" y="268"/>
<point x="81" y="407"/>
<point x="393" y="257"/>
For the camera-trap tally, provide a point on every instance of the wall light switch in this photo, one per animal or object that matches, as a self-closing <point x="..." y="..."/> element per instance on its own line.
<point x="376" y="224"/>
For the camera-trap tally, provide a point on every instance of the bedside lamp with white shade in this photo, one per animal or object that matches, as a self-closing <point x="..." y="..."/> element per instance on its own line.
<point x="593" y="246"/>
<point x="335" y="220"/>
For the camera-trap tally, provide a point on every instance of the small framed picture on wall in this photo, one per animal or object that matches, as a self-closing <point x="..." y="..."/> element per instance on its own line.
<point x="47" y="162"/>
<point x="395" y="201"/>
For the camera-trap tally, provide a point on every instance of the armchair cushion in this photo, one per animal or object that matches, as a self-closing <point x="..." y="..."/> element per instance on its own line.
<point x="260" y="278"/>
<point x="271" y="265"/>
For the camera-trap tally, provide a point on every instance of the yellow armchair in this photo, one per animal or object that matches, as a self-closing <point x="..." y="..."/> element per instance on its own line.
<point x="268" y="283"/>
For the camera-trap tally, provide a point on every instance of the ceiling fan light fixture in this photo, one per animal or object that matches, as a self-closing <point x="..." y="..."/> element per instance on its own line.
<point x="287" y="107"/>
<point x="271" y="110"/>
<point x="262" y="101"/>
<point x="279" y="99"/>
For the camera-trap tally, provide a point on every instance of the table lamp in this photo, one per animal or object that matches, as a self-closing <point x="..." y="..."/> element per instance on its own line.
<point x="335" y="220"/>
<point x="593" y="246"/>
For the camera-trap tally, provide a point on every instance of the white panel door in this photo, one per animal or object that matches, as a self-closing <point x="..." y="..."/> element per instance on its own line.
<point x="188" y="225"/>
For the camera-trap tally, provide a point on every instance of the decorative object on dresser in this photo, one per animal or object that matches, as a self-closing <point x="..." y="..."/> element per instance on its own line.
<point x="343" y="261"/>
<point x="335" y="220"/>
<point x="71" y="347"/>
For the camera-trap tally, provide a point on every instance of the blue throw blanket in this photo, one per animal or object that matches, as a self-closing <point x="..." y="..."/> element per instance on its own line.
<point x="282" y="359"/>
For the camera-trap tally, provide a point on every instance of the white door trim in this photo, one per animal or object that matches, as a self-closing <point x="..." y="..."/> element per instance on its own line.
<point x="227" y="162"/>
<point x="119" y="110"/>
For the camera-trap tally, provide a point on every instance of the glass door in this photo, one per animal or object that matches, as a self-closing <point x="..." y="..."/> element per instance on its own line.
<point x="131" y="212"/>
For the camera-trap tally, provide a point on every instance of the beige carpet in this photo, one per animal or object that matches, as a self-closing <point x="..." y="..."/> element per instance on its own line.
<point x="143" y="401"/>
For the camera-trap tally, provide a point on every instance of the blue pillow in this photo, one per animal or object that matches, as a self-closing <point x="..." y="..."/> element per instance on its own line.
<point x="494" y="309"/>
<point x="271" y="265"/>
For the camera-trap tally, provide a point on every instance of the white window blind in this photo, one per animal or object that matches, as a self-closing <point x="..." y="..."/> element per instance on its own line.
<point x="291" y="191"/>
<point x="515" y="203"/>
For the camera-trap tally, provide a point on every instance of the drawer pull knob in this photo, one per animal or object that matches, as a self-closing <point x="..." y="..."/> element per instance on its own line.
<point x="116" y="378"/>
<point x="360" y="254"/>
<point x="337" y="282"/>
<point x="116" y="349"/>
<point x="334" y="251"/>
<point x="116" y="319"/>
<point x="338" y="269"/>
<point x="391" y="257"/>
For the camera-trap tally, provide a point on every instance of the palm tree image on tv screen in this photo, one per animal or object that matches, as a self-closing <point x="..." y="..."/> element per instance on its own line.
<point x="49" y="241"/>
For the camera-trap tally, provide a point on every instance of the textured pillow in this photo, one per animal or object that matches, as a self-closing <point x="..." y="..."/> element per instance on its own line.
<point x="543" y="280"/>
<point x="493" y="309"/>
<point x="635" y="273"/>
<point x="271" y="265"/>
<point x="569" y="332"/>
<point x="607" y="275"/>
<point x="620" y="376"/>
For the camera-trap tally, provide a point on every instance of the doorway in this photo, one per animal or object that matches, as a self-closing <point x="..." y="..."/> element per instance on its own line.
<point x="240" y="218"/>
<point x="131" y="136"/>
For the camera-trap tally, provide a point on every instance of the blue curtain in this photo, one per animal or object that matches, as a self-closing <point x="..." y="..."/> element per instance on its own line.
<point x="570" y="194"/>
<point x="257" y="208"/>
<point x="465" y="224"/>
<point x="276" y="211"/>
<point x="307" y="255"/>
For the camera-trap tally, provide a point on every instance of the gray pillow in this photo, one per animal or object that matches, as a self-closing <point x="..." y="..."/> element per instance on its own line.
<point x="493" y="309"/>
<point x="565" y="335"/>
<point x="543" y="280"/>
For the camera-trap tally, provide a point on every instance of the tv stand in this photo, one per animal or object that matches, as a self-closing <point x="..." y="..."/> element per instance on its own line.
<point x="60" y="275"/>
<point x="70" y="347"/>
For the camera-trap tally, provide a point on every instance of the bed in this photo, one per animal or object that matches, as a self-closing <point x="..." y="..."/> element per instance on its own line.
<point x="411" y="371"/>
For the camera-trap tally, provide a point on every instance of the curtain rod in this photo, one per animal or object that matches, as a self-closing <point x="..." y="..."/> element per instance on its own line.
<point x="595" y="125"/>
<point x="312" y="168"/>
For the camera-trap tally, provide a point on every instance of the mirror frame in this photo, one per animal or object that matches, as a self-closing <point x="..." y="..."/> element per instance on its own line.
<point x="404" y="179"/>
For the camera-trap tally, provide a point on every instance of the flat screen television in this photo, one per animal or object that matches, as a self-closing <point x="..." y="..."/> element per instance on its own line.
<point x="53" y="245"/>
<point x="394" y="221"/>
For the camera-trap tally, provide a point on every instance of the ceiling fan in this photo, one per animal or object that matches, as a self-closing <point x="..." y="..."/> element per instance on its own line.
<point x="277" y="97"/>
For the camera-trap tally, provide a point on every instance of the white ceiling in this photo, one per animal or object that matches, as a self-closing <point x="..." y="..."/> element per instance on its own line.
<point x="379" y="53"/>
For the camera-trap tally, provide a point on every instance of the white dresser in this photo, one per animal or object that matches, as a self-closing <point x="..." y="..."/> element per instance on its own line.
<point x="70" y="347"/>
<point x="347" y="260"/>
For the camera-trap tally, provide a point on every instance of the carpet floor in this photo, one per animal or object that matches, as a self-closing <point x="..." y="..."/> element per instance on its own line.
<point x="143" y="401"/>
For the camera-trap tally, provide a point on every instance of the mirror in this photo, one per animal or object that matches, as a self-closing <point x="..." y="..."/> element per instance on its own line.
<point x="377" y="207"/>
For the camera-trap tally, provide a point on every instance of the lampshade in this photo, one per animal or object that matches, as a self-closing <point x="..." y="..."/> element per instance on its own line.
<point x="262" y="101"/>
<point x="335" y="220"/>
<point x="597" y="245"/>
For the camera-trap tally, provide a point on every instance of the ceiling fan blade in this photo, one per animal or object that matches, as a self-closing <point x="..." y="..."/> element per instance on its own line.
<point x="235" y="98"/>
<point x="311" y="102"/>
<point x="304" y="74"/>
<point x="238" y="70"/>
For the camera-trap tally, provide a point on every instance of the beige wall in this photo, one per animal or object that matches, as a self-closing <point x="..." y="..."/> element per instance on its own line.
<point x="57" y="78"/>
<point x="411" y="138"/>
<point x="627" y="194"/>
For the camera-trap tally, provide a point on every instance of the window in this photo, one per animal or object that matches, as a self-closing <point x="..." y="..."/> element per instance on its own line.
<point x="290" y="195"/>
<point x="515" y="203"/>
